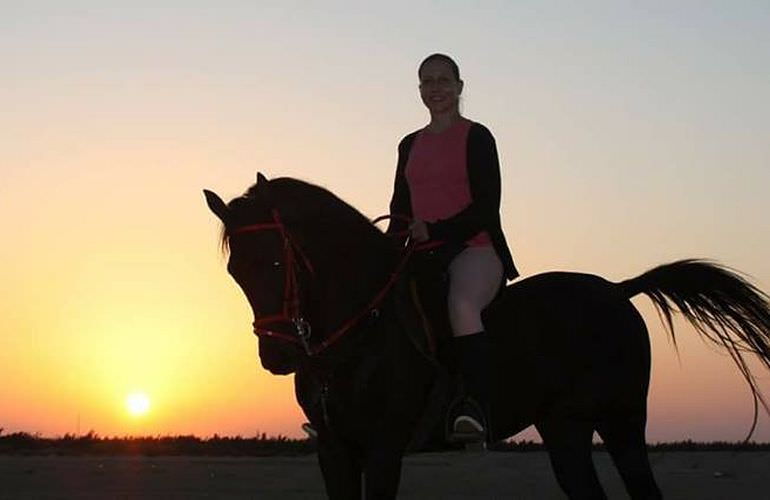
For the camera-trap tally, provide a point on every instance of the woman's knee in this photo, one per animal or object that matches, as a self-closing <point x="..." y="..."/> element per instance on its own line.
<point x="464" y="317"/>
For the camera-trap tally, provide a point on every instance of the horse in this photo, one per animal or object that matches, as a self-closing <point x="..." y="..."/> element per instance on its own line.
<point x="571" y="353"/>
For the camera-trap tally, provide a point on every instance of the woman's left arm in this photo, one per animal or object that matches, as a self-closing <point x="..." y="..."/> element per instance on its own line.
<point x="484" y="180"/>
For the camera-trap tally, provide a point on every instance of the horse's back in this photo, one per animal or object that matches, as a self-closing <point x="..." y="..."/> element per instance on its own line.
<point x="559" y="297"/>
<point x="557" y="301"/>
<point x="559" y="284"/>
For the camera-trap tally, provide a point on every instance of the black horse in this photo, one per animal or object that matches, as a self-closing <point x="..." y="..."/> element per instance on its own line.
<point x="571" y="353"/>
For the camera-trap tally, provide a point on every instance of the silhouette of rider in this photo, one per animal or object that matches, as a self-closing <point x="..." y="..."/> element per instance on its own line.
<point x="448" y="183"/>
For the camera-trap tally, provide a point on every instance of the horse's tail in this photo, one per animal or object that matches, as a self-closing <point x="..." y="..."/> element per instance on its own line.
<point x="722" y="305"/>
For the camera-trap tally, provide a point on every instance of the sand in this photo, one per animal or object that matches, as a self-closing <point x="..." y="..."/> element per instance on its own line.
<point x="489" y="475"/>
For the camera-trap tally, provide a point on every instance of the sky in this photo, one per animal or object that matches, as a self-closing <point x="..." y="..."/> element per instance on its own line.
<point x="630" y="134"/>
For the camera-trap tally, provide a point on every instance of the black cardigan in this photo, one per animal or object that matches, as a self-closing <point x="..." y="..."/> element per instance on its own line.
<point x="484" y="211"/>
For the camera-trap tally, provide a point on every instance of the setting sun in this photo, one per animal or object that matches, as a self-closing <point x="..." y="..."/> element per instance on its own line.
<point x="137" y="403"/>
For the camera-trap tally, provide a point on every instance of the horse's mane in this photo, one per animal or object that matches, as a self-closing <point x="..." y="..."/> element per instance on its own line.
<point x="305" y="205"/>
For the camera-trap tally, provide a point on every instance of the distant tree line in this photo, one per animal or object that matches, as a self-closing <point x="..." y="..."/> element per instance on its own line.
<point x="22" y="443"/>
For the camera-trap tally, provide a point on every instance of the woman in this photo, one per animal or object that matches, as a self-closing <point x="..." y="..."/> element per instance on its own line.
<point x="448" y="183"/>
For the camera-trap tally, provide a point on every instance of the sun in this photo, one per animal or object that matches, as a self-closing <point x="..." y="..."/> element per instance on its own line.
<point x="138" y="404"/>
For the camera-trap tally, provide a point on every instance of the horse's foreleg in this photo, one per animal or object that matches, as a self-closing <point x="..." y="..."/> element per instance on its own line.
<point x="341" y="470"/>
<point x="382" y="473"/>
<point x="569" y="447"/>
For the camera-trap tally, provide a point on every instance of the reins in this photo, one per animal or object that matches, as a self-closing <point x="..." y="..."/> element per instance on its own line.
<point x="291" y="313"/>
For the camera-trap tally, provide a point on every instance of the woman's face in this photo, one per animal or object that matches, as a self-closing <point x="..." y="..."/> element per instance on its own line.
<point x="439" y="89"/>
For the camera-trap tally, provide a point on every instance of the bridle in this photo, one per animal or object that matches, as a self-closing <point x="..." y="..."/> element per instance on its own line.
<point x="294" y="259"/>
<point x="290" y="312"/>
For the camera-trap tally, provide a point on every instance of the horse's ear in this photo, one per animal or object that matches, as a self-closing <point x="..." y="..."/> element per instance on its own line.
<point x="262" y="188"/>
<point x="216" y="205"/>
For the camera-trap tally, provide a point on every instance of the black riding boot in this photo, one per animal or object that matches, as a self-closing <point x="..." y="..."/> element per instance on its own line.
<point x="473" y="357"/>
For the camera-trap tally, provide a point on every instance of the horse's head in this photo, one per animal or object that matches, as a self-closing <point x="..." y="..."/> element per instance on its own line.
<point x="302" y="256"/>
<point x="264" y="261"/>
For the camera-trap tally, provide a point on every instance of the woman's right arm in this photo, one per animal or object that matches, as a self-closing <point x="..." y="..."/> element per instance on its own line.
<point x="400" y="202"/>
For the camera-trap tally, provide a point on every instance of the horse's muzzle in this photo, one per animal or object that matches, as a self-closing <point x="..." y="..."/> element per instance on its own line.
<point x="276" y="358"/>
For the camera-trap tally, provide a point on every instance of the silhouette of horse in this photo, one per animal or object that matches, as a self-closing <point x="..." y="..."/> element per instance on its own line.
<point x="571" y="353"/>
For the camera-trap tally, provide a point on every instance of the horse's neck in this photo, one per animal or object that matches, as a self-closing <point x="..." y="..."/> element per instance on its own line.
<point x="345" y="284"/>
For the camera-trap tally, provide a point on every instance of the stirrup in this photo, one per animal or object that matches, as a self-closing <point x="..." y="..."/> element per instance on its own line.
<point x="467" y="429"/>
<point x="469" y="425"/>
<point x="310" y="430"/>
<point x="465" y="424"/>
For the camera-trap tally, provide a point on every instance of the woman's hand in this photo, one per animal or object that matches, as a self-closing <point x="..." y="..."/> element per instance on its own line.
<point x="418" y="231"/>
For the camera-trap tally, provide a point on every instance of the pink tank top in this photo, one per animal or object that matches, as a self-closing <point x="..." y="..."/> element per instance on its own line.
<point x="437" y="174"/>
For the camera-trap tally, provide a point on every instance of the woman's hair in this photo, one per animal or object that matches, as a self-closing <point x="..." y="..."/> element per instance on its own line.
<point x="440" y="57"/>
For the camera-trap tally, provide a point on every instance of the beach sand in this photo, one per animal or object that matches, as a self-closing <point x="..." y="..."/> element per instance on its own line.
<point x="457" y="475"/>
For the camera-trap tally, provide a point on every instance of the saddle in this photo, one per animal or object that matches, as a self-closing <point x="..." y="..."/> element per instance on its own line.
<point x="425" y="289"/>
<point x="421" y="298"/>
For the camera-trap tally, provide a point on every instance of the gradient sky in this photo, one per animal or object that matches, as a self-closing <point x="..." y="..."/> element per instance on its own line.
<point x="630" y="134"/>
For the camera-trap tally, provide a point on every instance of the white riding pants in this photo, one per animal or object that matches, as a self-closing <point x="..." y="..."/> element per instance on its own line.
<point x="475" y="275"/>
